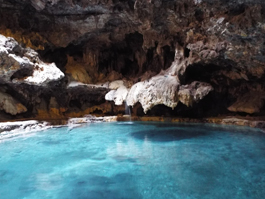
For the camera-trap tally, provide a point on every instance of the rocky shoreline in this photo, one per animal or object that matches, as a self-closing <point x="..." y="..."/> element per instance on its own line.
<point x="177" y="59"/>
<point x="15" y="128"/>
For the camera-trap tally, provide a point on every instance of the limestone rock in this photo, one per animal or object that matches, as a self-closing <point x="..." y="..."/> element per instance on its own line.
<point x="166" y="90"/>
<point x="11" y="105"/>
<point x="194" y="92"/>
<point x="190" y="42"/>
<point x="43" y="74"/>
<point x="22" y="65"/>
<point x="118" y="93"/>
<point x="157" y="90"/>
<point x="10" y="62"/>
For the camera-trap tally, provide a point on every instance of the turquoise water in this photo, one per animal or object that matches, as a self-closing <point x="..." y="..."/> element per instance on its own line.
<point x="131" y="161"/>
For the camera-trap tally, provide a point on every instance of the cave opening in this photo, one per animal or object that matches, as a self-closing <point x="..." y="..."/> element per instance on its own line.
<point x="201" y="72"/>
<point x="169" y="56"/>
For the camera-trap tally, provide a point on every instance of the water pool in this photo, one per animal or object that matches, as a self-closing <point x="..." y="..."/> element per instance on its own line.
<point x="131" y="161"/>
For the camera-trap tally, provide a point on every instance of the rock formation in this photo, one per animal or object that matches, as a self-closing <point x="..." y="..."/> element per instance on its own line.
<point x="198" y="57"/>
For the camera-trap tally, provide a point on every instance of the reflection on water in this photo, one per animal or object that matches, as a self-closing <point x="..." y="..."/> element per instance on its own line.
<point x="131" y="161"/>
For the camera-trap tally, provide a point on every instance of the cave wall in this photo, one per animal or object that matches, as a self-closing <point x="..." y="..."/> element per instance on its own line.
<point x="94" y="42"/>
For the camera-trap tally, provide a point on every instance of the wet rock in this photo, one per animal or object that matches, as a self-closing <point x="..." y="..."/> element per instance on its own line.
<point x="12" y="129"/>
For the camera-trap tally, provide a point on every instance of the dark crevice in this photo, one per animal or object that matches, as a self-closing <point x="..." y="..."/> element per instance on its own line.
<point x="201" y="72"/>
<point x="199" y="15"/>
<point x="169" y="55"/>
<point x="75" y="103"/>
<point x="239" y="9"/>
<point x="22" y="73"/>
<point x="186" y="52"/>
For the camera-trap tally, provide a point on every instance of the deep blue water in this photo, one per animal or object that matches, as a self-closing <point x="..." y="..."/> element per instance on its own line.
<point x="131" y="161"/>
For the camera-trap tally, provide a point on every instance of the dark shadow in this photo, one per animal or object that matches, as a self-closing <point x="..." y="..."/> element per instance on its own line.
<point x="168" y="135"/>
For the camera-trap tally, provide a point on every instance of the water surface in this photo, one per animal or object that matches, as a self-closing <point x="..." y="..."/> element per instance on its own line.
<point x="135" y="160"/>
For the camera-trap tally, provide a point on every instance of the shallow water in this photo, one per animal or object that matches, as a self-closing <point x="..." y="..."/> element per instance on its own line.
<point x="135" y="160"/>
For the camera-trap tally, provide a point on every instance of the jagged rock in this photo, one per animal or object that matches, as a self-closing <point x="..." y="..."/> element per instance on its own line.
<point x="194" y="92"/>
<point x="158" y="90"/>
<point x="218" y="42"/>
<point x="10" y="62"/>
<point x="166" y="90"/>
<point x="42" y="75"/>
<point x="22" y="65"/>
<point x="11" y="105"/>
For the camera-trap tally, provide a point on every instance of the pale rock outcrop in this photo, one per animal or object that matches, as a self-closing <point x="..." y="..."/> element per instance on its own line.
<point x="22" y="65"/>
<point x="11" y="105"/>
<point x="166" y="89"/>
<point x="10" y="62"/>
<point x="157" y="90"/>
<point x="43" y="74"/>
<point x="118" y="93"/>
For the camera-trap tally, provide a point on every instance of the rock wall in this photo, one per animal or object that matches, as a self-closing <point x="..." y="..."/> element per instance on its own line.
<point x="191" y="58"/>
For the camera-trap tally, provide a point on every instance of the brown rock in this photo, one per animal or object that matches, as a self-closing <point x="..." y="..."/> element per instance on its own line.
<point x="11" y="105"/>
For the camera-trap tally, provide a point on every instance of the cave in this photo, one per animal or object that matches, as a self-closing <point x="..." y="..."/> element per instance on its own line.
<point x="163" y="58"/>
<point x="132" y="99"/>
